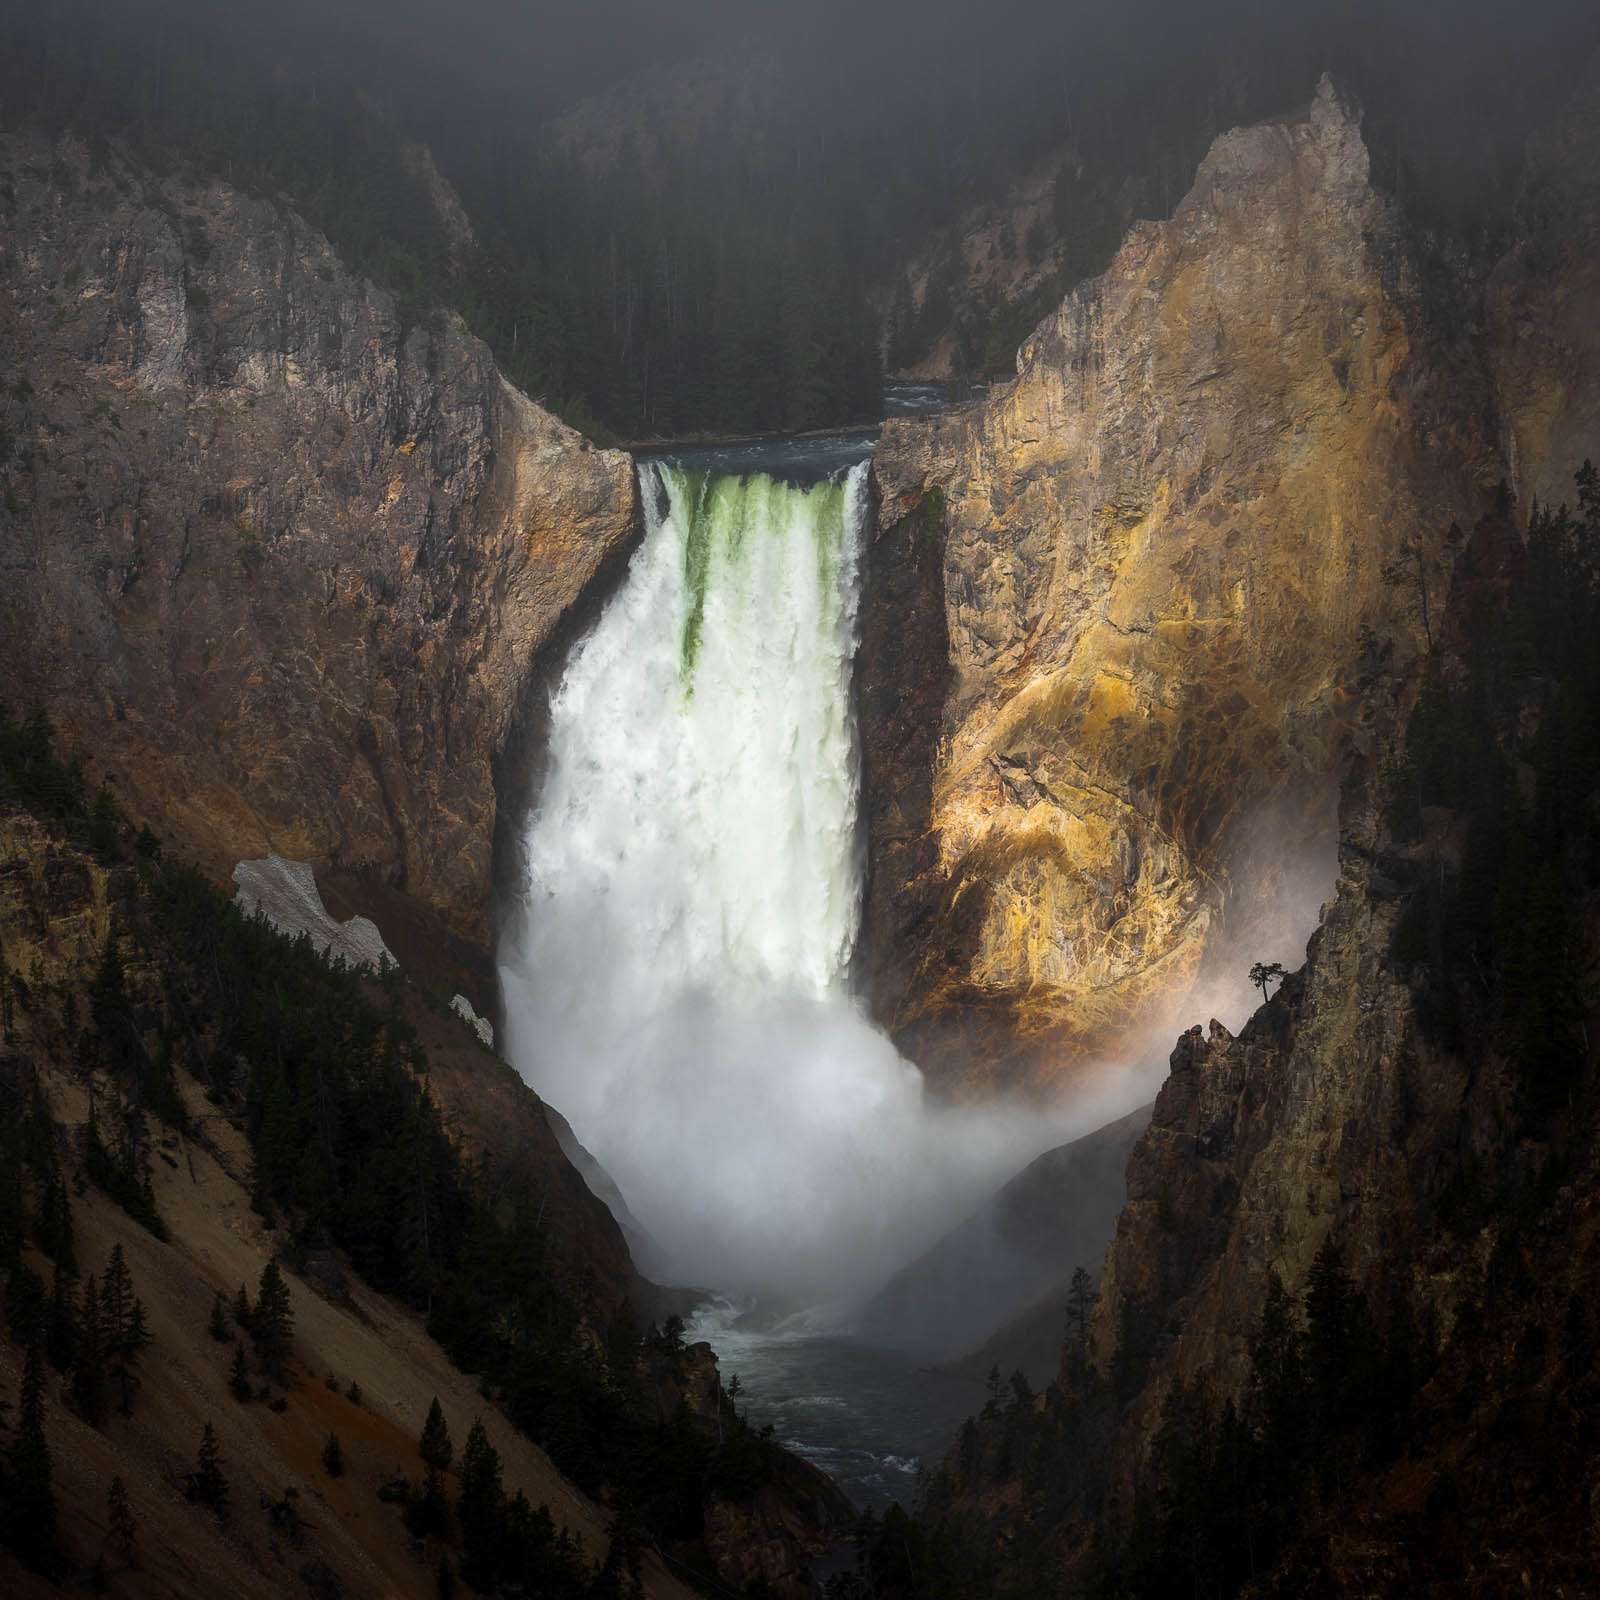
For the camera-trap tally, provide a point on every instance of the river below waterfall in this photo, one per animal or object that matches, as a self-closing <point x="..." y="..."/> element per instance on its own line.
<point x="869" y="1417"/>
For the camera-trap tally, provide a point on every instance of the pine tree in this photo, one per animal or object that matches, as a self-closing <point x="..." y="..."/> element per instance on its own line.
<point x="53" y="1229"/>
<point x="108" y="997"/>
<point x="218" y="1325"/>
<point x="123" y="1321"/>
<point x="1335" y="1323"/>
<point x="435" y="1446"/>
<point x="1278" y="1372"/>
<point x="25" y="1304"/>
<point x="1080" y="1302"/>
<point x="239" y="1376"/>
<point x="210" y="1486"/>
<point x="272" y="1321"/>
<point x="1263" y="974"/>
<point x="61" y="1330"/>
<point x="119" y="1519"/>
<point x="427" y="1512"/>
<point x="278" y="1145"/>
<point x="479" y="1506"/>
<point x="333" y="1456"/>
<point x="241" y="1309"/>
<point x="103" y="824"/>
<point x="12" y="1208"/>
<point x="39" y="1135"/>
<point x="138" y="1334"/>
<point x="89" y="1369"/>
<point x="31" y="1533"/>
<point x="480" y="1467"/>
<point x="994" y="1384"/>
<point x="116" y="1292"/>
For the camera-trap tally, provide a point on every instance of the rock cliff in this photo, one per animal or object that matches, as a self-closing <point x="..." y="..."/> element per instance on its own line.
<point x="279" y="562"/>
<point x="1326" y="1108"/>
<point x="1544" y="306"/>
<point x="1154" y="566"/>
<point x="1344" y="1326"/>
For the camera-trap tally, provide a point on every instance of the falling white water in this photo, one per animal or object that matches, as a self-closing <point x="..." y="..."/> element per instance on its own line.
<point x="679" y="987"/>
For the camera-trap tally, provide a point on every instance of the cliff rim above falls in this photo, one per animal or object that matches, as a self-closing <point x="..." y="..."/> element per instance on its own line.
<point x="279" y="562"/>
<point x="1150" y="572"/>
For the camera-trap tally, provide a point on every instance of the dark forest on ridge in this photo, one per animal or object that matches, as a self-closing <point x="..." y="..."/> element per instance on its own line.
<point x="735" y="260"/>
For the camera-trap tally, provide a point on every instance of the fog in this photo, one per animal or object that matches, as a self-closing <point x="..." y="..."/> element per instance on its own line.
<point x="1017" y="1247"/>
<point x="776" y="1145"/>
<point x="983" y="66"/>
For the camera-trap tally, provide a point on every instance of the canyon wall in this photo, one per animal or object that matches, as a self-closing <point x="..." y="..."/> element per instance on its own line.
<point x="1384" y="1187"/>
<point x="1410" y="1121"/>
<point x="1117" y="613"/>
<point x="279" y="561"/>
<point x="1544" y="306"/>
<point x="1329" y="1109"/>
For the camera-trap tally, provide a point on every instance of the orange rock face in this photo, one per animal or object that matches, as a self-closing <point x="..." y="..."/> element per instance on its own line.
<point x="1159" y="567"/>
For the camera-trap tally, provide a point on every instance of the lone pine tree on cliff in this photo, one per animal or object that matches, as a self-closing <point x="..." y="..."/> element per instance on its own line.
<point x="1263" y="974"/>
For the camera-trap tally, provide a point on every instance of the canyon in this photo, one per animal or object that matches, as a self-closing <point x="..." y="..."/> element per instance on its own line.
<point x="1139" y="632"/>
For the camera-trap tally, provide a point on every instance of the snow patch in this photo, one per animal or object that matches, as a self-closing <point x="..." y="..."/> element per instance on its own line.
<point x="481" y="1026"/>
<point x="286" y="894"/>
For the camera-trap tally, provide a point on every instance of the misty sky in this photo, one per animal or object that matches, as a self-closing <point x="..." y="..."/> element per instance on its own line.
<point x="558" y="49"/>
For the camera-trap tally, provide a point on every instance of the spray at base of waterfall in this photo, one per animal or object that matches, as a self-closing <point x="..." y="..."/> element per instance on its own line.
<point x="678" y="988"/>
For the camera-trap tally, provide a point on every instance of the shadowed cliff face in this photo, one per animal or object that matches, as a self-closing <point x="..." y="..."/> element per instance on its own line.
<point x="1162" y="546"/>
<point x="278" y="562"/>
<point x="1544" y="307"/>
<point x="1327" y="1106"/>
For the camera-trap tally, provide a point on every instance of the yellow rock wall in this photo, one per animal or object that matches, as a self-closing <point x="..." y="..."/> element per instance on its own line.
<point x="1162" y="545"/>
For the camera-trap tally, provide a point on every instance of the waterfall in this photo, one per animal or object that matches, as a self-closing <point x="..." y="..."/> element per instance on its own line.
<point x="678" y="988"/>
